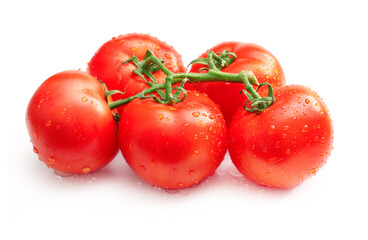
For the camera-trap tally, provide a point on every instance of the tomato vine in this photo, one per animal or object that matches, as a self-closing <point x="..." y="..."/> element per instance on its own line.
<point x="215" y="63"/>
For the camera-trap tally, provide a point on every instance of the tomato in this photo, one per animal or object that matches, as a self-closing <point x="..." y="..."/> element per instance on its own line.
<point x="250" y="57"/>
<point x="176" y="146"/>
<point x="71" y="125"/>
<point x="287" y="143"/>
<point x="106" y="63"/>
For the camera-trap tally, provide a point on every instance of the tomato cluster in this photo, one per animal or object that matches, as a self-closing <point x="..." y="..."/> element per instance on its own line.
<point x="76" y="128"/>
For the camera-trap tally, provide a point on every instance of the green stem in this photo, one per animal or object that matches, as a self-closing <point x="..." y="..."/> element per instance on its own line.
<point x="213" y="75"/>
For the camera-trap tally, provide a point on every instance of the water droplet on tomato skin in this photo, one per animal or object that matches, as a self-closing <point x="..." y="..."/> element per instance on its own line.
<point x="84" y="99"/>
<point x="196" y="152"/>
<point x="48" y="123"/>
<point x="191" y="172"/>
<point x="271" y="129"/>
<point x="313" y="171"/>
<point x="307" y="101"/>
<point x="287" y="151"/>
<point x="51" y="161"/>
<point x="274" y="160"/>
<point x="35" y="150"/>
<point x="305" y="129"/>
<point x="86" y="170"/>
<point x="195" y="114"/>
<point x="168" y="56"/>
<point x="185" y="125"/>
<point x="35" y="134"/>
<point x="212" y="116"/>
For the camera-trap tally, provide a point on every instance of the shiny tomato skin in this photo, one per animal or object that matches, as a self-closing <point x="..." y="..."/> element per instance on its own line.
<point x="71" y="125"/>
<point x="105" y="64"/>
<point x="176" y="146"/>
<point x="250" y="57"/>
<point x="287" y="143"/>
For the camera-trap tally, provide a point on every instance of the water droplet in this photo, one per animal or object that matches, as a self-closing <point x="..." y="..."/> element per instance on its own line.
<point x="141" y="167"/>
<point x="133" y="49"/>
<point x="235" y="173"/>
<point x="196" y="152"/>
<point x="171" y="191"/>
<point x="35" y="134"/>
<point x="195" y="114"/>
<point x="277" y="144"/>
<point x="313" y="171"/>
<point x="307" y="101"/>
<point x="63" y="174"/>
<point x="157" y="47"/>
<point x="51" y="161"/>
<point x="274" y="160"/>
<point x="219" y="144"/>
<point x="180" y="184"/>
<point x="271" y="129"/>
<point x="191" y="172"/>
<point x="195" y="136"/>
<point x="86" y="170"/>
<point x="35" y="150"/>
<point x="305" y="128"/>
<point x="316" y="138"/>
<point x="58" y="127"/>
<point x="212" y="116"/>
<point x="161" y="116"/>
<point x="48" y="123"/>
<point x="283" y="135"/>
<point x="185" y="125"/>
<point x="168" y="56"/>
<point x="323" y="139"/>
<point x="287" y="151"/>
<point x="264" y="149"/>
<point x="84" y="99"/>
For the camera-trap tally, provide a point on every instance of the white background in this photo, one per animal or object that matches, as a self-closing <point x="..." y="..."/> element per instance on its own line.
<point x="321" y="44"/>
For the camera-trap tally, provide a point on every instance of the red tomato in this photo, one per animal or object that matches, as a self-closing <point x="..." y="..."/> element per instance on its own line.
<point x="71" y="125"/>
<point x="285" y="144"/>
<point x="174" y="146"/>
<point x="105" y="64"/>
<point x="250" y="57"/>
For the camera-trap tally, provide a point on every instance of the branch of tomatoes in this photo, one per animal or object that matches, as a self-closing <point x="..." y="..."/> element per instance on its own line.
<point x="179" y="143"/>
<point x="214" y="62"/>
